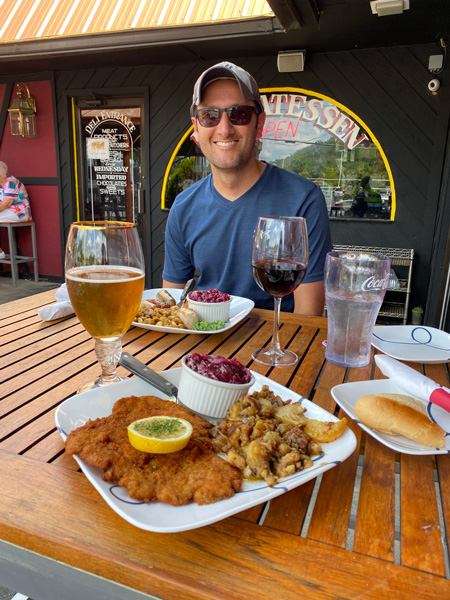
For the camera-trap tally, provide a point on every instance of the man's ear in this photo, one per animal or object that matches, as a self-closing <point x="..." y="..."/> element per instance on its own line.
<point x="194" y="134"/>
<point x="260" y="124"/>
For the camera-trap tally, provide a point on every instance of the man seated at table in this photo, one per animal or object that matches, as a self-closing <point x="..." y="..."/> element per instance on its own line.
<point x="211" y="224"/>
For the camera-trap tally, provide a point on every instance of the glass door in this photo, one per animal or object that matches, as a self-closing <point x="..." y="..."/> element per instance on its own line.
<point x="110" y="166"/>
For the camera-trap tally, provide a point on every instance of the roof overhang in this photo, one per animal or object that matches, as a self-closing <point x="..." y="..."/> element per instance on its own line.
<point x="313" y="25"/>
<point x="137" y="39"/>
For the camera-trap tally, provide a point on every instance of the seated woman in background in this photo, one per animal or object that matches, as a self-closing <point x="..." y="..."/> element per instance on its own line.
<point x="14" y="204"/>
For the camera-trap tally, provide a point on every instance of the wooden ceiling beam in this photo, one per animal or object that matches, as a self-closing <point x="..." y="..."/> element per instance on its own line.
<point x="287" y="14"/>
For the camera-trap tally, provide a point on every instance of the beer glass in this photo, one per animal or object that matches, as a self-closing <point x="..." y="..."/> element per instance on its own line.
<point x="104" y="269"/>
<point x="355" y="284"/>
<point x="279" y="261"/>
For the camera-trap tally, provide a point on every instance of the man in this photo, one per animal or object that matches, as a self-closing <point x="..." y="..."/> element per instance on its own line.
<point x="211" y="224"/>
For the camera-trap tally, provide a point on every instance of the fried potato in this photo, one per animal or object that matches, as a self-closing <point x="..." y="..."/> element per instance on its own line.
<point x="324" y="431"/>
<point x="319" y="431"/>
<point x="291" y="414"/>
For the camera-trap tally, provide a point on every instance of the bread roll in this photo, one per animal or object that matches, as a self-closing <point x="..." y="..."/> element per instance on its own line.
<point x="399" y="414"/>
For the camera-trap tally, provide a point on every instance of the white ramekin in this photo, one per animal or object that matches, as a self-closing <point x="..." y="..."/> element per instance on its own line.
<point x="211" y="311"/>
<point x="206" y="396"/>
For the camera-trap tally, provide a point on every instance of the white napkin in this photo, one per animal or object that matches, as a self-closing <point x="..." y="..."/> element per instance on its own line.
<point x="414" y="383"/>
<point x="62" y="308"/>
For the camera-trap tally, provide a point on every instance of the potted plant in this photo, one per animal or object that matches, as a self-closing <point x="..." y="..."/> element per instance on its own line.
<point x="417" y="315"/>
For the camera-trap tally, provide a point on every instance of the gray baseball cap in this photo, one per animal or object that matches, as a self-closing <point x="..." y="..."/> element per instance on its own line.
<point x="227" y="70"/>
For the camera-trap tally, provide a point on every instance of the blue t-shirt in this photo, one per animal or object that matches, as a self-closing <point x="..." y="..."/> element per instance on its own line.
<point x="205" y="231"/>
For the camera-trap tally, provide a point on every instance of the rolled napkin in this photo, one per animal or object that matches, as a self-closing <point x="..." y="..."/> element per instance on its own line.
<point x="414" y="383"/>
<point x="62" y="308"/>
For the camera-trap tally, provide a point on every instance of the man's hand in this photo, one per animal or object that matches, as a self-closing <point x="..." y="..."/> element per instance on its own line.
<point x="169" y="284"/>
<point x="309" y="299"/>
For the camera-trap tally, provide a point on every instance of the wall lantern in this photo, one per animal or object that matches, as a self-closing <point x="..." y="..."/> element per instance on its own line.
<point x="22" y="113"/>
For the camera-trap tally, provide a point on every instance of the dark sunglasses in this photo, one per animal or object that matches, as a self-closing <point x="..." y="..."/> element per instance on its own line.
<point x="238" y="115"/>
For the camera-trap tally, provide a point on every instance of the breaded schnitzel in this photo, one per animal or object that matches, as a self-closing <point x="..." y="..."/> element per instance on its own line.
<point x="194" y="473"/>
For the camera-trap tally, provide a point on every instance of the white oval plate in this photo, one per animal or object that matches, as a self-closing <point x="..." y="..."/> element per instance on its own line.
<point x="157" y="516"/>
<point x="239" y="309"/>
<point x="346" y="395"/>
<point x="413" y="343"/>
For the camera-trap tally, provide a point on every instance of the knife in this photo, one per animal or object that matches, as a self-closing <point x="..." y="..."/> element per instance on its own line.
<point x="158" y="381"/>
<point x="414" y="383"/>
<point x="190" y="285"/>
<point x="141" y="370"/>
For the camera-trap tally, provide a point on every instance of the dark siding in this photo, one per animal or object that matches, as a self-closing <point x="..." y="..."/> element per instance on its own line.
<point x="386" y="88"/>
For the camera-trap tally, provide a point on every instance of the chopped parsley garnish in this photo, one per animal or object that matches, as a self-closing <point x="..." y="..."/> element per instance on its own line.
<point x="208" y="326"/>
<point x="160" y="428"/>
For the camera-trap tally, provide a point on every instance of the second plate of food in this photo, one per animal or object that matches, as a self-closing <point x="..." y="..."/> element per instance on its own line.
<point x="239" y="309"/>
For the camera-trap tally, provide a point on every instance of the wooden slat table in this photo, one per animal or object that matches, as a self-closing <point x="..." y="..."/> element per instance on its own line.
<point x="375" y="526"/>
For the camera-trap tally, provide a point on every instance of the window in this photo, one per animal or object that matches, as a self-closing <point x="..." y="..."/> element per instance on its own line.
<point x="312" y="135"/>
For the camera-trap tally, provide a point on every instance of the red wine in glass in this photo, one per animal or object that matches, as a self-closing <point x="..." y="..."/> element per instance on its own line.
<point x="278" y="277"/>
<point x="279" y="262"/>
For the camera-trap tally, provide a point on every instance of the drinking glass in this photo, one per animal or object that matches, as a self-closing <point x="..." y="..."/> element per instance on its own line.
<point x="104" y="270"/>
<point x="355" y="284"/>
<point x="279" y="262"/>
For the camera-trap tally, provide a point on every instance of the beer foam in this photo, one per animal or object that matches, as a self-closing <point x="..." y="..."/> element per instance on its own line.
<point x="104" y="274"/>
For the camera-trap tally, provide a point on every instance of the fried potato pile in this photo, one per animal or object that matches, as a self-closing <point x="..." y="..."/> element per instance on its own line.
<point x="266" y="438"/>
<point x="163" y="316"/>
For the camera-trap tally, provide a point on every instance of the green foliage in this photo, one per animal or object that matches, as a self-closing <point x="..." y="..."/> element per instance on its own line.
<point x="179" y="172"/>
<point x="322" y="161"/>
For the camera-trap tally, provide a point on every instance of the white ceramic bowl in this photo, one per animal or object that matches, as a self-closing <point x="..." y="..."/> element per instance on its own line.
<point x="211" y="311"/>
<point x="207" y="396"/>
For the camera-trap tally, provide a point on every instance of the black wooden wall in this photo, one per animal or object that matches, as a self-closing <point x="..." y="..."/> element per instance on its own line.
<point x="385" y="87"/>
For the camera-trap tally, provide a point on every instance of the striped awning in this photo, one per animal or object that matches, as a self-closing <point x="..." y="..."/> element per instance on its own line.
<point x="39" y="19"/>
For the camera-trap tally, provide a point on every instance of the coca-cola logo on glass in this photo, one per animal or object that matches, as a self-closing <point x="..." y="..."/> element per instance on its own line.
<point x="372" y="283"/>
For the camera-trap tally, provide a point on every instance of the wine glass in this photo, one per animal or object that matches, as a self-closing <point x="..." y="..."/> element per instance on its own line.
<point x="279" y="262"/>
<point x="104" y="269"/>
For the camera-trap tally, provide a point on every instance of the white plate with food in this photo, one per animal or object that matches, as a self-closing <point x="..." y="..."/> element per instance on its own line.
<point x="413" y="343"/>
<point x="160" y="517"/>
<point x="347" y="394"/>
<point x="239" y="309"/>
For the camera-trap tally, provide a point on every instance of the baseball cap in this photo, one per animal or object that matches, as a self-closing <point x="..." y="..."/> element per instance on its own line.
<point x="227" y="70"/>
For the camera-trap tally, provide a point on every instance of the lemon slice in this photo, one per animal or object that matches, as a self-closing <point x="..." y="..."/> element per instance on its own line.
<point x="159" y="435"/>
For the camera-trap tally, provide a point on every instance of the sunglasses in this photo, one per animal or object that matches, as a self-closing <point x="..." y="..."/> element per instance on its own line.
<point x="238" y="115"/>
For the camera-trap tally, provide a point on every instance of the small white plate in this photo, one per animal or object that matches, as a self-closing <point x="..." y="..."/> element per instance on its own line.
<point x="346" y="395"/>
<point x="157" y="516"/>
<point x="413" y="343"/>
<point x="239" y="309"/>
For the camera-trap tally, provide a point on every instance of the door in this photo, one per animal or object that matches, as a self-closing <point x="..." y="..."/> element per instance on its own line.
<point x="110" y="160"/>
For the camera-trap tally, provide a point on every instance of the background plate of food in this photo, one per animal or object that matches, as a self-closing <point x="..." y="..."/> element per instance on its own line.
<point x="167" y="320"/>
<point x="72" y="415"/>
<point x="348" y="394"/>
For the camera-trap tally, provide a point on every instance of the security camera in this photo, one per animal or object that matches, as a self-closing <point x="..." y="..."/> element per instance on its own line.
<point x="434" y="85"/>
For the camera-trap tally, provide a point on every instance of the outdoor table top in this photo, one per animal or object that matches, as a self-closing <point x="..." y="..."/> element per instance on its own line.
<point x="372" y="527"/>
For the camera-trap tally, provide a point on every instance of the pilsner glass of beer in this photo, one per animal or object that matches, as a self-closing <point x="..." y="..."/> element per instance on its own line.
<point x="104" y="268"/>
